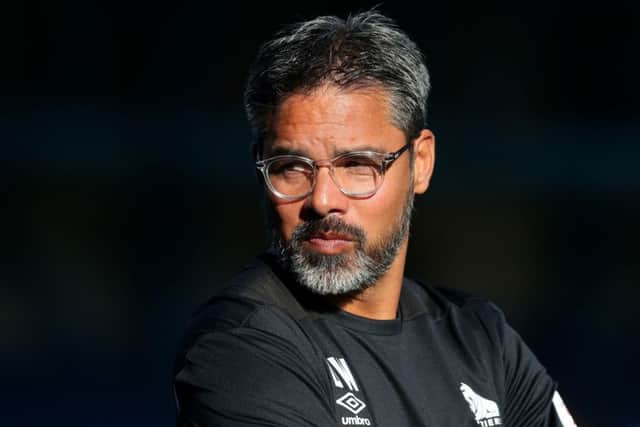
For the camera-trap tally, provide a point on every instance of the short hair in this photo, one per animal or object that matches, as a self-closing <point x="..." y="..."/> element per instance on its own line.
<point x="365" y="51"/>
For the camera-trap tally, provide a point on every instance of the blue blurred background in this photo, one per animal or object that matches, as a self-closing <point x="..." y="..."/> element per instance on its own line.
<point x="130" y="195"/>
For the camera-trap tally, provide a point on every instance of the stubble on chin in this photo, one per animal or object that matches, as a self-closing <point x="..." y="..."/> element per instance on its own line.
<point x="346" y="273"/>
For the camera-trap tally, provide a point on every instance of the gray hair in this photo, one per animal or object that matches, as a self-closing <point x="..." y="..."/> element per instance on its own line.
<point x="365" y="51"/>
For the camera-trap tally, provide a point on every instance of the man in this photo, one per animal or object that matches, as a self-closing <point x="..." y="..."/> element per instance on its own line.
<point x="324" y="329"/>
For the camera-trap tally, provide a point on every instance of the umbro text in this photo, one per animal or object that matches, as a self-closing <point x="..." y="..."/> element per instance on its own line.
<point x="356" y="421"/>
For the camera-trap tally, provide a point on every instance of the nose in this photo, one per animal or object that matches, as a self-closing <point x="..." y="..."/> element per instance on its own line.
<point x="326" y="198"/>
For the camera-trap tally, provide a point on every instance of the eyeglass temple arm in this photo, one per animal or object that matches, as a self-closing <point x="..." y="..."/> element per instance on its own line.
<point x="392" y="157"/>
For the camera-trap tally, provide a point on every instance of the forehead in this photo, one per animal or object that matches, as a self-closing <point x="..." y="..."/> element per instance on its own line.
<point x="329" y="121"/>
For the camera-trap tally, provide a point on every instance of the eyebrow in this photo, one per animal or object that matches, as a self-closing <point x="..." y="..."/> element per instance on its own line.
<point x="280" y="151"/>
<point x="360" y="148"/>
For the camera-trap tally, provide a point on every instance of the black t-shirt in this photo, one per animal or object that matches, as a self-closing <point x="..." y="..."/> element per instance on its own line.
<point x="264" y="352"/>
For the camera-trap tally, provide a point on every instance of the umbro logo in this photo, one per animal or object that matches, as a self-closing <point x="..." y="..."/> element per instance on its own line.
<point x="485" y="411"/>
<point x="351" y="402"/>
<point x="343" y="378"/>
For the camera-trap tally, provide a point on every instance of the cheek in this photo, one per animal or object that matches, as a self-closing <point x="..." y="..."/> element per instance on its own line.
<point x="382" y="211"/>
<point x="287" y="217"/>
<point x="375" y="215"/>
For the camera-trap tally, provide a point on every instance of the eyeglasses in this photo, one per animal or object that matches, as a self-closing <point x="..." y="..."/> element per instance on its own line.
<point x="357" y="174"/>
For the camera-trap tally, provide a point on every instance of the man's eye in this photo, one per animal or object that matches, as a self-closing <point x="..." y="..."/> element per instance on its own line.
<point x="289" y="168"/>
<point x="296" y="170"/>
<point x="359" y="163"/>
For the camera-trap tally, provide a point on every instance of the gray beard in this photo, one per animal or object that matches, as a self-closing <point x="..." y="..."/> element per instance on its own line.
<point x="340" y="274"/>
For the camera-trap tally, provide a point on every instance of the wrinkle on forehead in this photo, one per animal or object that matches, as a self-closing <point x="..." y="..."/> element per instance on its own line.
<point x="335" y="118"/>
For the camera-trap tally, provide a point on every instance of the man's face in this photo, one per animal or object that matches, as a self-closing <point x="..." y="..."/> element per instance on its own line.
<point x="334" y="243"/>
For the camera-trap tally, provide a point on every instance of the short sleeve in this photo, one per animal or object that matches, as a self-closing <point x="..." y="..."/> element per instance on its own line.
<point x="530" y="392"/>
<point x="246" y="376"/>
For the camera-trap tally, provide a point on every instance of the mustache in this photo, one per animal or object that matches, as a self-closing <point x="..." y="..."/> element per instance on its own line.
<point x="308" y="229"/>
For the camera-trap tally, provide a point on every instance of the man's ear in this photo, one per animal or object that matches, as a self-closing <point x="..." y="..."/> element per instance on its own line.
<point x="424" y="157"/>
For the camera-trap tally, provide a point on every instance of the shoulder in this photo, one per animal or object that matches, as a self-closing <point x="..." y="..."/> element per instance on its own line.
<point x="259" y="285"/>
<point x="476" y="320"/>
<point x="245" y="353"/>
<point x="445" y="303"/>
<point x="253" y="299"/>
<point x="523" y="384"/>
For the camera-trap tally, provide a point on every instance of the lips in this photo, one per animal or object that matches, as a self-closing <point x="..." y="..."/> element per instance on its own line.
<point x="331" y="235"/>
<point x="330" y="242"/>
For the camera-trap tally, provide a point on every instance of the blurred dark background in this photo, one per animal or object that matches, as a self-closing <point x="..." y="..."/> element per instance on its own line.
<point x="129" y="194"/>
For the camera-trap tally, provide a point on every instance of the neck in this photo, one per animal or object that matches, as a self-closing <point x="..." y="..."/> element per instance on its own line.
<point x="381" y="300"/>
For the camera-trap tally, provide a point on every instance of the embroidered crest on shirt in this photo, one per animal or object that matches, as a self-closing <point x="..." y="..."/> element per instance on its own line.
<point x="344" y="380"/>
<point x="486" y="411"/>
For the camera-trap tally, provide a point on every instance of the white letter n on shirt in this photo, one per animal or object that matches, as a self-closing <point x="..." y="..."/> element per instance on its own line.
<point x="340" y="370"/>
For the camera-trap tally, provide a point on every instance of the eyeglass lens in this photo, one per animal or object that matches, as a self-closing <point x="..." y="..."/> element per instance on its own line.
<point x="356" y="174"/>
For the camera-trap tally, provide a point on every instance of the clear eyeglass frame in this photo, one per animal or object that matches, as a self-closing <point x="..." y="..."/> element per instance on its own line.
<point x="383" y="163"/>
